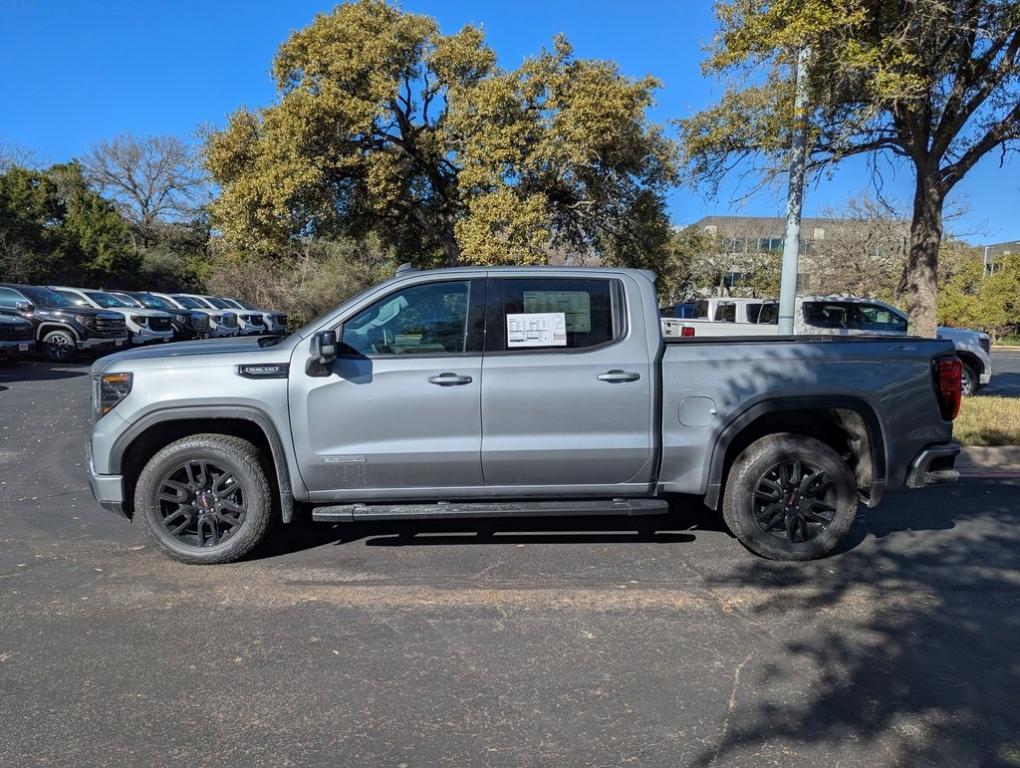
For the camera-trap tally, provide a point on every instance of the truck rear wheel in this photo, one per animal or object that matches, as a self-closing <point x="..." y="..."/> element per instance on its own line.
<point x="789" y="497"/>
<point x="205" y="499"/>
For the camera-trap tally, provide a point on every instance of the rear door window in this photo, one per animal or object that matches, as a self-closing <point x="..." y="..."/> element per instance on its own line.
<point x="826" y="314"/>
<point x="555" y="313"/>
<point x="726" y="313"/>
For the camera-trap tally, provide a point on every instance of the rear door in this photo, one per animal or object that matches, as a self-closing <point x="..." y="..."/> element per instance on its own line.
<point x="567" y="385"/>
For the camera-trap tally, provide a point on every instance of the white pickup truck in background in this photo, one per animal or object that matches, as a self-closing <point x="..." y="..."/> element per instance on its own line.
<point x="823" y="315"/>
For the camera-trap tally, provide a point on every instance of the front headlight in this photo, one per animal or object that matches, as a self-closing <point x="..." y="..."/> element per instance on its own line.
<point x="137" y="319"/>
<point x="85" y="320"/>
<point x="113" y="387"/>
<point x="182" y="319"/>
<point x="217" y="318"/>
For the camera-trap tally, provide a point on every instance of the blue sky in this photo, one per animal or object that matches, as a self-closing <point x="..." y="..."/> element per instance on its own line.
<point x="74" y="73"/>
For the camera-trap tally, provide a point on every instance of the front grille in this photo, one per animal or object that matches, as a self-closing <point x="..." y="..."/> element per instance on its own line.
<point x="230" y="321"/>
<point x="200" y="323"/>
<point x="159" y="323"/>
<point x="109" y="325"/>
<point x="16" y="332"/>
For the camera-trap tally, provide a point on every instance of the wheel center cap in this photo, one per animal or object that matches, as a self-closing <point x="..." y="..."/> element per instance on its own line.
<point x="205" y="500"/>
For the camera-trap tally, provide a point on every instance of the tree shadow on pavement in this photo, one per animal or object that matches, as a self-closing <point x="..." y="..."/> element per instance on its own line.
<point x="36" y="371"/>
<point x="922" y="665"/>
<point x="304" y="534"/>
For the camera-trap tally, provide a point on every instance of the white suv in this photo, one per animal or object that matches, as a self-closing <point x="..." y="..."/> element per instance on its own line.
<point x="144" y="325"/>
<point x="273" y="322"/>
<point x="221" y="323"/>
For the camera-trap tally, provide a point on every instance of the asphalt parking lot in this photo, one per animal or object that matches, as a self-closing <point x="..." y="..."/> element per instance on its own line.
<point x="1005" y="374"/>
<point x="569" y="643"/>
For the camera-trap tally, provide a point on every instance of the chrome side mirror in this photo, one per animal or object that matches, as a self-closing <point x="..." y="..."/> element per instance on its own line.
<point x="23" y="306"/>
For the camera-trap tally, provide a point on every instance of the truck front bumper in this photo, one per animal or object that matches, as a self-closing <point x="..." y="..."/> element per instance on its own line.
<point x="99" y="342"/>
<point x="147" y="335"/>
<point x="108" y="490"/>
<point x="933" y="466"/>
<point x="222" y="331"/>
<point x="250" y="329"/>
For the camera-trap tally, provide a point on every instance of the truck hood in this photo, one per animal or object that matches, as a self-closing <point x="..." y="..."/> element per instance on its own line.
<point x="139" y="312"/>
<point x="192" y="353"/>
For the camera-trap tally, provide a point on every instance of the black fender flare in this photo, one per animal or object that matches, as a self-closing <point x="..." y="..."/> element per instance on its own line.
<point x="52" y="325"/>
<point x="736" y="425"/>
<point x="211" y="413"/>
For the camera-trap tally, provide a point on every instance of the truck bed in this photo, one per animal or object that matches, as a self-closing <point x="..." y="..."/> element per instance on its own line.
<point x="713" y="386"/>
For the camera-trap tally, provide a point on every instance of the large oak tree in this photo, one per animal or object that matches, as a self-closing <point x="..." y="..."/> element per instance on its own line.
<point x="384" y="124"/>
<point x="934" y="84"/>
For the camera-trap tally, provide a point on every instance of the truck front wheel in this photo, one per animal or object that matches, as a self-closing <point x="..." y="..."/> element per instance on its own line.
<point x="205" y="499"/>
<point x="59" y="346"/>
<point x="789" y="497"/>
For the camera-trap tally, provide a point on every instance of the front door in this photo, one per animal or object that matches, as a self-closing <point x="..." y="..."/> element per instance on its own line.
<point x="567" y="386"/>
<point x="399" y="411"/>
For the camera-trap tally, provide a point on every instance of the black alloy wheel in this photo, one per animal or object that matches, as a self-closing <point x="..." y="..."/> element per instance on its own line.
<point x="794" y="501"/>
<point x="201" y="504"/>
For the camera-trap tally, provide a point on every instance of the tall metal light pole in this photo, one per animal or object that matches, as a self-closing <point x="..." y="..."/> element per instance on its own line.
<point x="794" y="198"/>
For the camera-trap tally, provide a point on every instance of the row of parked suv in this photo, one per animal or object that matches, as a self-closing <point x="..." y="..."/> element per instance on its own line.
<point x="61" y="321"/>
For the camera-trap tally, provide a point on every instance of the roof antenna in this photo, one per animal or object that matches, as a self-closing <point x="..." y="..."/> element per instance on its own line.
<point x="405" y="267"/>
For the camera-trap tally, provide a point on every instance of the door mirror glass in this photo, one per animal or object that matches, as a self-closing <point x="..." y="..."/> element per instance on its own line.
<point x="324" y="347"/>
<point x="23" y="306"/>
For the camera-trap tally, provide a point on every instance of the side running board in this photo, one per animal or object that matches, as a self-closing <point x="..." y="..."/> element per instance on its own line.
<point x="347" y="513"/>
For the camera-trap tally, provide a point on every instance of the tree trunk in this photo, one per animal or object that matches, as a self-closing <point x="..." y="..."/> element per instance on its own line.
<point x="920" y="275"/>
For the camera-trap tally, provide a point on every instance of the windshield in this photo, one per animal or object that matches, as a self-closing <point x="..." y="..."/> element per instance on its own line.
<point x="218" y="303"/>
<point x="244" y="304"/>
<point x="129" y="301"/>
<point x="186" y="301"/>
<point x="154" y="302"/>
<point x="106" y="300"/>
<point x="44" y="296"/>
<point x="72" y="297"/>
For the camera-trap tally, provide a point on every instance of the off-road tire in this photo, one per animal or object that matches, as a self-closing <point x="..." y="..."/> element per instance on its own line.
<point x="754" y="462"/>
<point x="233" y="453"/>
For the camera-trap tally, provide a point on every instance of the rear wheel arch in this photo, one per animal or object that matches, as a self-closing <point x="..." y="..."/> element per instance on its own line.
<point x="136" y="446"/>
<point x="847" y="424"/>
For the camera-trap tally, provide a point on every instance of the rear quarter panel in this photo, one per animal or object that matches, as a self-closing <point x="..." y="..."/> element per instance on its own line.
<point x="891" y="377"/>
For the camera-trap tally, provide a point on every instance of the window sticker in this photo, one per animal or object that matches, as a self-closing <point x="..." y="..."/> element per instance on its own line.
<point x="576" y="305"/>
<point x="536" y="329"/>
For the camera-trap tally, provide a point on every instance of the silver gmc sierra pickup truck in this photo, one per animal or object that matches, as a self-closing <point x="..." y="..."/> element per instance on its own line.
<point x="475" y="392"/>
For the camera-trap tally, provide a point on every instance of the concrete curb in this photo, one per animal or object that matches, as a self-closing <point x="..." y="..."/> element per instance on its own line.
<point x="980" y="459"/>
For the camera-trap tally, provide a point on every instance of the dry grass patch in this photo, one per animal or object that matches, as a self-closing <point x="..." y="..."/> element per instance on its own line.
<point x="988" y="421"/>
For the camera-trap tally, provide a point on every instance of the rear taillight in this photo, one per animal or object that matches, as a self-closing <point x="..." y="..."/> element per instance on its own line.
<point x="948" y="374"/>
<point x="687" y="331"/>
